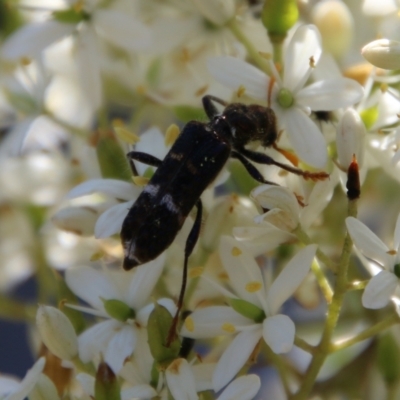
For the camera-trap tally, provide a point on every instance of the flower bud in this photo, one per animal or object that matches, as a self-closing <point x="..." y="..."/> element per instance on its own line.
<point x="350" y="139"/>
<point x="278" y="16"/>
<point x="383" y="53"/>
<point x="57" y="332"/>
<point x="106" y="385"/>
<point x="158" y="327"/>
<point x="335" y="23"/>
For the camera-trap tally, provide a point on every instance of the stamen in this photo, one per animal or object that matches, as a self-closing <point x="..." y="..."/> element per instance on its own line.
<point x="228" y="327"/>
<point x="236" y="251"/>
<point x="253" y="287"/>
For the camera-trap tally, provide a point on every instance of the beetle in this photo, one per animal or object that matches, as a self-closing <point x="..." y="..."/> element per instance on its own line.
<point x="193" y="162"/>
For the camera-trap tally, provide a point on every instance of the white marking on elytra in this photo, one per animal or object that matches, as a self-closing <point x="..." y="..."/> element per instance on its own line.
<point x="233" y="132"/>
<point x="169" y="202"/>
<point x="151" y="190"/>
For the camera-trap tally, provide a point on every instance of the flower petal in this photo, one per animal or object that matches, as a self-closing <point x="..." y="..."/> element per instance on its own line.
<point x="142" y="391"/>
<point x="143" y="282"/>
<point x="120" y="347"/>
<point x="110" y="221"/>
<point x="331" y="94"/>
<point x="243" y="271"/>
<point x="94" y="340"/>
<point x="32" y="39"/>
<point x="111" y="187"/>
<point x="290" y="278"/>
<point x="368" y="243"/>
<point x="29" y="381"/>
<point x="234" y="73"/>
<point x="242" y="388"/>
<point x="305" y="137"/>
<point x="317" y="201"/>
<point x="379" y="290"/>
<point x="91" y="285"/>
<point x="235" y="356"/>
<point x="305" y="43"/>
<point x="203" y="374"/>
<point x="396" y="236"/>
<point x="180" y="380"/>
<point x="278" y="333"/>
<point x="121" y="30"/>
<point x="88" y="62"/>
<point x="213" y="321"/>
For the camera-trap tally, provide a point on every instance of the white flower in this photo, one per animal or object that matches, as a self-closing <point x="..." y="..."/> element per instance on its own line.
<point x="290" y="99"/>
<point x="276" y="329"/>
<point x="382" y="286"/>
<point x="88" y="23"/>
<point x="11" y="389"/>
<point x="121" y="297"/>
<point x="284" y="214"/>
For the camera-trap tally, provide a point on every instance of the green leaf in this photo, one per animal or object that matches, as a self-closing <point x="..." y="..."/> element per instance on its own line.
<point x="248" y="310"/>
<point x="158" y="327"/>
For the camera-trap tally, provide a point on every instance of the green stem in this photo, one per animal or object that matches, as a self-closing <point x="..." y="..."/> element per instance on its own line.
<point x="370" y="332"/>
<point x="334" y="309"/>
<point x="357" y="285"/>
<point x="315" y="267"/>
<point x="251" y="50"/>
<point x="15" y="310"/>
<point x="302" y="344"/>
<point x="278" y="52"/>
<point x="277" y="361"/>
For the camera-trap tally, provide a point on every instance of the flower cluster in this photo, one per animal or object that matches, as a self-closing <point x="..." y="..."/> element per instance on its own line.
<point x="254" y="147"/>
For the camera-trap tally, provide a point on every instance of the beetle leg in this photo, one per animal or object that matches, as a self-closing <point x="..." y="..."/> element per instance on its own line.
<point x="251" y="169"/>
<point x="210" y="108"/>
<point x="143" y="158"/>
<point x="190" y="243"/>
<point x="262" y="158"/>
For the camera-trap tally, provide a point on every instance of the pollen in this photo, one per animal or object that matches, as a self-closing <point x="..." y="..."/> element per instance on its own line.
<point x="312" y="62"/>
<point x="25" y="61"/>
<point x="189" y="324"/>
<point x="78" y="6"/>
<point x="236" y="251"/>
<point x="123" y="133"/>
<point x="228" y="327"/>
<point x="241" y="90"/>
<point x="140" y="180"/>
<point x="171" y="134"/>
<point x="253" y="287"/>
<point x="195" y="272"/>
<point x="392" y="252"/>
